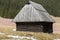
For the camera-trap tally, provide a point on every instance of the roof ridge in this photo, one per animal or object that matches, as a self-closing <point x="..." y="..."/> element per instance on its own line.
<point x="29" y="13"/>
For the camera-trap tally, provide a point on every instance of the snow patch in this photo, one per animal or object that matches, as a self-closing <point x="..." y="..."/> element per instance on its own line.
<point x="14" y="29"/>
<point x="2" y="33"/>
<point x="21" y="37"/>
<point x="56" y="39"/>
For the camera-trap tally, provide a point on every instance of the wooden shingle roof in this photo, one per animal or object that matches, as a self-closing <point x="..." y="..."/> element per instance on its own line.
<point x="33" y="12"/>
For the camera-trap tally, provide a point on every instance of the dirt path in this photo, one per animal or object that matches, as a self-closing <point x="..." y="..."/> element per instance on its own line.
<point x="56" y="25"/>
<point x="4" y="21"/>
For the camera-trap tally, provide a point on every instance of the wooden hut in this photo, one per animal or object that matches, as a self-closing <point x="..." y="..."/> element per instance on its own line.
<point x="33" y="17"/>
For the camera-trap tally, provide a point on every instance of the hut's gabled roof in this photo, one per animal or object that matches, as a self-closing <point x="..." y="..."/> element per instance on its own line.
<point x="33" y="12"/>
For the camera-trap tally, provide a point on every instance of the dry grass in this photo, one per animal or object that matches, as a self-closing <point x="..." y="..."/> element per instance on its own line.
<point x="40" y="36"/>
<point x="6" y="26"/>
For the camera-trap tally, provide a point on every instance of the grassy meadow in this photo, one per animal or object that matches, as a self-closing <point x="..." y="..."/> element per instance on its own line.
<point x="10" y="8"/>
<point x="8" y="30"/>
<point x="7" y="27"/>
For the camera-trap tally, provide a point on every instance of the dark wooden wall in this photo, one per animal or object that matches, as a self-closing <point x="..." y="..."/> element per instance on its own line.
<point x="35" y="26"/>
<point x="47" y="27"/>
